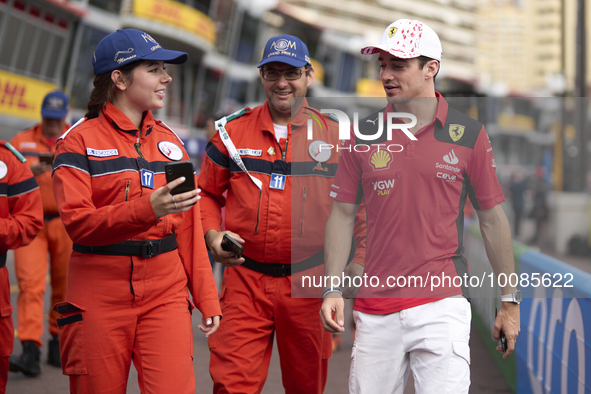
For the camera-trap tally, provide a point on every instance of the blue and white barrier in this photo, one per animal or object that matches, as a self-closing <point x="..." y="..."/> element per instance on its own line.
<point x="554" y="346"/>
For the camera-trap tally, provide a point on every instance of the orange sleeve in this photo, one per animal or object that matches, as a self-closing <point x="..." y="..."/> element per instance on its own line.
<point x="213" y="181"/>
<point x="196" y="263"/>
<point x="25" y="211"/>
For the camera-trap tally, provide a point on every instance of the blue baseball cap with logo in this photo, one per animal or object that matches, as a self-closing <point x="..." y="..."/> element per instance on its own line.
<point x="129" y="45"/>
<point x="55" y="105"/>
<point x="286" y="49"/>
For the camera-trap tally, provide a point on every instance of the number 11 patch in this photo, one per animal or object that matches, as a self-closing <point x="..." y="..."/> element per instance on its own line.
<point x="147" y="179"/>
<point x="277" y="182"/>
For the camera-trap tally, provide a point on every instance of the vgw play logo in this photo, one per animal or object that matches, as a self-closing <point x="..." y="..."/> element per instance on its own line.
<point x="345" y="127"/>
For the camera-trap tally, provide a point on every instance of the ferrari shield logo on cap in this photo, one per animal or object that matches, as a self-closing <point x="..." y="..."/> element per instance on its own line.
<point x="170" y="150"/>
<point x="456" y="131"/>
<point x="392" y="31"/>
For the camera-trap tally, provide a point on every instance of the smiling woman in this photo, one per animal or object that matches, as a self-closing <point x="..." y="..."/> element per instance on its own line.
<point x="136" y="247"/>
<point x="144" y="89"/>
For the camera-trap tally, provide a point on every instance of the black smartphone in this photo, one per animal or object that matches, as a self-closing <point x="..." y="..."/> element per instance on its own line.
<point x="229" y="244"/>
<point x="47" y="159"/>
<point x="503" y="342"/>
<point x="177" y="170"/>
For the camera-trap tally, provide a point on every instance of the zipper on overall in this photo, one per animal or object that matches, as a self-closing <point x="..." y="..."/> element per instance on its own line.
<point x="256" y="226"/>
<point x="302" y="216"/>
<point x="138" y="145"/>
<point x="284" y="153"/>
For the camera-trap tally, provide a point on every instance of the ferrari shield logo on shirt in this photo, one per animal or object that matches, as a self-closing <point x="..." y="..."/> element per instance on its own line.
<point x="147" y="178"/>
<point x="170" y="150"/>
<point x="3" y="169"/>
<point x="456" y="131"/>
<point x="277" y="182"/>
<point x="271" y="151"/>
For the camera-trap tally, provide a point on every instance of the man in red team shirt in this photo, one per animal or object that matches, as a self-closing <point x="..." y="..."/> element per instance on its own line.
<point x="415" y="193"/>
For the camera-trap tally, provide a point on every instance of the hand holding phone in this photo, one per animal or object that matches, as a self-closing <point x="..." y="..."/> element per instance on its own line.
<point x="177" y="170"/>
<point x="503" y="343"/>
<point x="47" y="159"/>
<point x="502" y="338"/>
<point x="229" y="244"/>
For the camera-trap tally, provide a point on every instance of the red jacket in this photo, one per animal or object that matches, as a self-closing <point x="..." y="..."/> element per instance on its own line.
<point x="31" y="143"/>
<point x="20" y="201"/>
<point x="279" y="226"/>
<point x="97" y="185"/>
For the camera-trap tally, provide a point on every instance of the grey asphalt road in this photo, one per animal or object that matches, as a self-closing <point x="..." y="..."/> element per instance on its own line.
<point x="486" y="378"/>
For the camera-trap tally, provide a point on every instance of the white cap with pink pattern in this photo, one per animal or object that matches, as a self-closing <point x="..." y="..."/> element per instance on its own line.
<point x="408" y="39"/>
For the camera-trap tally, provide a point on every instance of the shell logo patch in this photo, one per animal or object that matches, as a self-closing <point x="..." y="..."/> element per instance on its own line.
<point x="380" y="160"/>
<point x="170" y="150"/>
<point x="392" y="31"/>
<point x="456" y="131"/>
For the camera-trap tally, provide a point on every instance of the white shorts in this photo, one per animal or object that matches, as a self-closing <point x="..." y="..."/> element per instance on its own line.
<point x="431" y="340"/>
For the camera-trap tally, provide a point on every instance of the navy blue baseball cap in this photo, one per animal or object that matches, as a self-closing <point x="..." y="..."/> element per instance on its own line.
<point x="129" y="45"/>
<point x="55" y="105"/>
<point x="286" y="49"/>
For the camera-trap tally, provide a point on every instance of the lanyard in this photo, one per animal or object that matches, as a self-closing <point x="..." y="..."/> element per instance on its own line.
<point x="220" y="126"/>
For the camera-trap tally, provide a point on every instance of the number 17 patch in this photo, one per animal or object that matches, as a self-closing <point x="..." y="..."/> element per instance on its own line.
<point x="147" y="179"/>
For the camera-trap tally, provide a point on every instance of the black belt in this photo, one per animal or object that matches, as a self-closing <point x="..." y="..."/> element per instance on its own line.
<point x="279" y="270"/>
<point x="2" y="260"/>
<point x="50" y="216"/>
<point x="147" y="248"/>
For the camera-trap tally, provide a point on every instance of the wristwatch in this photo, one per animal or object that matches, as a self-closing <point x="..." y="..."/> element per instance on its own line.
<point x="514" y="297"/>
